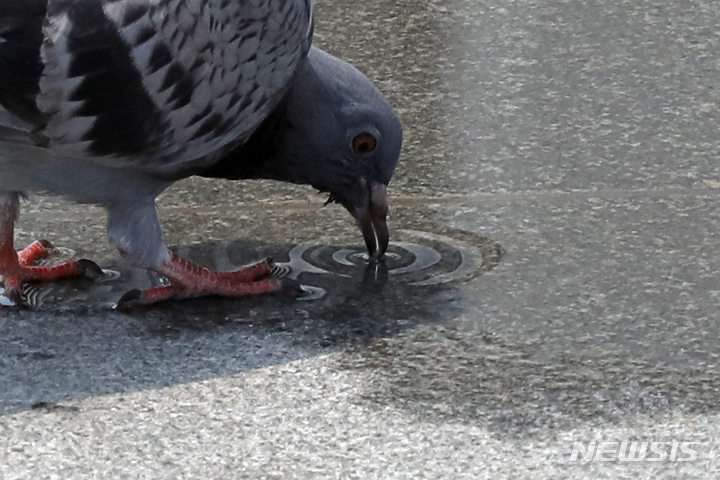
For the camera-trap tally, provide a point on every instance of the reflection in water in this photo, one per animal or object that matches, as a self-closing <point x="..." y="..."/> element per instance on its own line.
<point x="362" y="301"/>
<point x="443" y="260"/>
<point x="363" y="295"/>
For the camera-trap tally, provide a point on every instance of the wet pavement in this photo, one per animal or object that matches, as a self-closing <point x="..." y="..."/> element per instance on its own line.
<point x="553" y="278"/>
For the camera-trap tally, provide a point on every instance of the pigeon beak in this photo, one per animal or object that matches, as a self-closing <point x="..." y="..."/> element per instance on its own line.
<point x="372" y="220"/>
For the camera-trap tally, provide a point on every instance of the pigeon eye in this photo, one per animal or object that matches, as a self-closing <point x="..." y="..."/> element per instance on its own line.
<point x="364" y="143"/>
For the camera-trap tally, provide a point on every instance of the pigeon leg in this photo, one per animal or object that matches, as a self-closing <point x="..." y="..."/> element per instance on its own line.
<point x="188" y="280"/>
<point x="17" y="268"/>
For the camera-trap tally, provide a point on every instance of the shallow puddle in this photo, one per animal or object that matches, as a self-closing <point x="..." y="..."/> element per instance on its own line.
<point x="325" y="267"/>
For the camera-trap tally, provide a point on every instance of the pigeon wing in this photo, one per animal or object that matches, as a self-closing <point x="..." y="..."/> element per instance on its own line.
<point x="162" y="85"/>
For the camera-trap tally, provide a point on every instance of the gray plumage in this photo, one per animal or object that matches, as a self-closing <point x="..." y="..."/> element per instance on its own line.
<point x="110" y="101"/>
<point x="212" y="70"/>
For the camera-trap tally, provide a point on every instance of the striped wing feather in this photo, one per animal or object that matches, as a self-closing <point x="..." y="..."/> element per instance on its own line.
<point x="160" y="85"/>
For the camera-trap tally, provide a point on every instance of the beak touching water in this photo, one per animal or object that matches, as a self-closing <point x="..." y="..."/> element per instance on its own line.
<point x="372" y="220"/>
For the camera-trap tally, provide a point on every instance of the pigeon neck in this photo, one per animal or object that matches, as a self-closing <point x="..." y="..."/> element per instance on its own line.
<point x="254" y="159"/>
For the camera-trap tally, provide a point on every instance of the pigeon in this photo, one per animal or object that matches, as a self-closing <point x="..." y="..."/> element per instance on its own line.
<point x="109" y="102"/>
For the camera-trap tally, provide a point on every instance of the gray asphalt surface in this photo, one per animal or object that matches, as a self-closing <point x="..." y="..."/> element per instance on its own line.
<point x="573" y="145"/>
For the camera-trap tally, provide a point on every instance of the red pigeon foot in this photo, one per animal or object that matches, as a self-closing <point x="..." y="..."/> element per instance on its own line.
<point x="18" y="268"/>
<point x="188" y="280"/>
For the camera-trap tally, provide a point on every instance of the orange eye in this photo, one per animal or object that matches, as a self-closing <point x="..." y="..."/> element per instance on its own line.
<point x="364" y="143"/>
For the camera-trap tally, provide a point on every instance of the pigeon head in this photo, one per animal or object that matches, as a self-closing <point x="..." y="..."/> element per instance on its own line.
<point x="335" y="131"/>
<point x="344" y="139"/>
